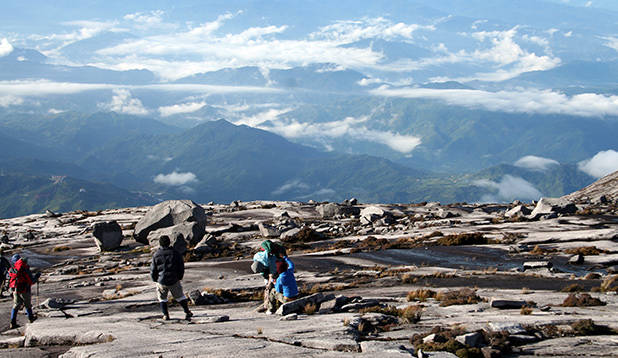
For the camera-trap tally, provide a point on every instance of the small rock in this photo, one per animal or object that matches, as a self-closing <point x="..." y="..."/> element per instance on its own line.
<point x="520" y="339"/>
<point x="533" y="265"/>
<point x="507" y="304"/>
<point x="267" y="230"/>
<point x="289" y="234"/>
<point x="473" y="339"/>
<point x="576" y="259"/>
<point x="511" y="327"/>
<point x="518" y="211"/>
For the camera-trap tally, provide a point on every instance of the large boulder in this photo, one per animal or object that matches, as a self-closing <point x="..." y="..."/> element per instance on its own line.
<point x="548" y="206"/>
<point x="181" y="236"/>
<point x="517" y="212"/>
<point x="107" y="235"/>
<point x="332" y="210"/>
<point x="169" y="213"/>
<point x="372" y="214"/>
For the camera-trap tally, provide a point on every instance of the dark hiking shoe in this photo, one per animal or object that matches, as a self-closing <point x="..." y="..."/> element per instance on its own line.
<point x="188" y="315"/>
<point x="14" y="325"/>
<point x="166" y="317"/>
<point x="32" y="319"/>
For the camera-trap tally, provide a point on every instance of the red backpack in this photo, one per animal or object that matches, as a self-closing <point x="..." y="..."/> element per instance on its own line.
<point x="19" y="276"/>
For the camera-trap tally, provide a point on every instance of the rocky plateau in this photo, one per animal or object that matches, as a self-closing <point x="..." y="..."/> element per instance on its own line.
<point x="376" y="280"/>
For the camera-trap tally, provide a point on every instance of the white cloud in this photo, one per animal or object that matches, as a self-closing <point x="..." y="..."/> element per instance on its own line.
<point x="535" y="163"/>
<point x="146" y="20"/>
<point x="175" y="179"/>
<point x="204" y="49"/>
<point x="523" y="101"/>
<point x="51" y="44"/>
<point x="272" y="114"/>
<point x="9" y="100"/>
<point x="611" y="42"/>
<point x="350" y="127"/>
<point x="43" y="88"/>
<point x="345" y="32"/>
<point x="55" y="111"/>
<point x="324" y="193"/>
<point x="123" y="102"/>
<point x="568" y="34"/>
<point x="167" y="111"/>
<point x="508" y="189"/>
<point x="588" y="4"/>
<point x="289" y="186"/>
<point x="5" y="47"/>
<point x="498" y="50"/>
<point x="603" y="163"/>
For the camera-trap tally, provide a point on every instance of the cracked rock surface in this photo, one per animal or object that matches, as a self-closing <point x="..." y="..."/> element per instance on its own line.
<point x="367" y="264"/>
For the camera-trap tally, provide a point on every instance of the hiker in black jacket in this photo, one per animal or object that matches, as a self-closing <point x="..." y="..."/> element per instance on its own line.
<point x="167" y="269"/>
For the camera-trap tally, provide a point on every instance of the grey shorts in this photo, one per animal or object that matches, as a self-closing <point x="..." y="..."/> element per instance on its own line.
<point x="22" y="299"/>
<point x="258" y="267"/>
<point x="175" y="289"/>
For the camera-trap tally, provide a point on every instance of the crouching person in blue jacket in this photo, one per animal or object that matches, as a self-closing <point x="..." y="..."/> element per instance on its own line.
<point x="285" y="289"/>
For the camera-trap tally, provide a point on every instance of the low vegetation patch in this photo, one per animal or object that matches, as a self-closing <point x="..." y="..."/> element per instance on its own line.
<point x="537" y="250"/>
<point x="586" y="327"/>
<point x="60" y="248"/>
<point x="421" y="295"/>
<point x="444" y="341"/>
<point x="237" y="296"/>
<point x="409" y="314"/>
<point x="475" y="238"/>
<point x="573" y="288"/>
<point x="306" y="234"/>
<point x="525" y="310"/>
<point x="581" y="300"/>
<point x="610" y="284"/>
<point x="464" y="296"/>
<point x="584" y="250"/>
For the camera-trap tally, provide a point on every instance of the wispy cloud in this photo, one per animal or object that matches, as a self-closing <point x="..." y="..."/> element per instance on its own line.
<point x="9" y="100"/>
<point x="30" y="88"/>
<point x="123" y="102"/>
<point x="345" y="32"/>
<point x="353" y="128"/>
<point x="5" y="47"/>
<point x="611" y="42"/>
<point x="535" y="163"/>
<point x="148" y="20"/>
<point x="508" y="189"/>
<point x="175" y="178"/>
<point x="603" y="163"/>
<point x="293" y="185"/>
<point x="523" y="101"/>
<point x="191" y="107"/>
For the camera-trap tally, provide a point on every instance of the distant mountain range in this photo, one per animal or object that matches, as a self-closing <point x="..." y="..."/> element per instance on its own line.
<point x="113" y="160"/>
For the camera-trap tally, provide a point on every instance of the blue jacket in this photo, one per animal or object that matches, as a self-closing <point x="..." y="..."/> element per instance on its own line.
<point x="286" y="283"/>
<point x="267" y="260"/>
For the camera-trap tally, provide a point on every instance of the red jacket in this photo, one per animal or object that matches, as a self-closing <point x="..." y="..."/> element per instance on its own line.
<point x="20" y="277"/>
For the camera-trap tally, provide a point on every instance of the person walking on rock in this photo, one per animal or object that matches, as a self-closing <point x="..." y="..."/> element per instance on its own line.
<point x="20" y="281"/>
<point x="167" y="269"/>
<point x="285" y="289"/>
<point x="5" y="265"/>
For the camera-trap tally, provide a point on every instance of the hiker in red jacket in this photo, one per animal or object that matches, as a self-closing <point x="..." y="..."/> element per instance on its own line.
<point x="21" y="279"/>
